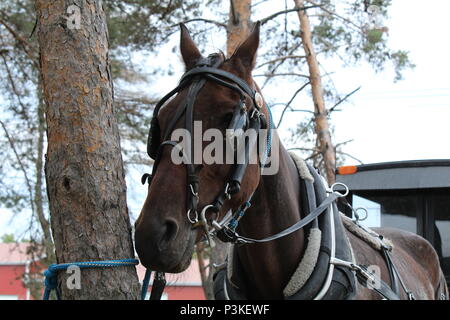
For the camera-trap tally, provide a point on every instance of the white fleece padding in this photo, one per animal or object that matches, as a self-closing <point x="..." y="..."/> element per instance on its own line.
<point x="365" y="234"/>
<point x="302" y="168"/>
<point x="307" y="264"/>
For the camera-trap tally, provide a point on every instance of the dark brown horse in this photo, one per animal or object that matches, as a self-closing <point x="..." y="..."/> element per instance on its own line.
<point x="165" y="237"/>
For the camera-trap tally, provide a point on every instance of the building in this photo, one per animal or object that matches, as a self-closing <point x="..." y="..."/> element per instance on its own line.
<point x="410" y="195"/>
<point x="15" y="263"/>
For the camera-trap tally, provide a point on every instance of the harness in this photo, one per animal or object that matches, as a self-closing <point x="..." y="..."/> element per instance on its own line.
<point x="334" y="272"/>
<point x="333" y="267"/>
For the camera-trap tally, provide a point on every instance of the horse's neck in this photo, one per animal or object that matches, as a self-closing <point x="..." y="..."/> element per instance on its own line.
<point x="267" y="267"/>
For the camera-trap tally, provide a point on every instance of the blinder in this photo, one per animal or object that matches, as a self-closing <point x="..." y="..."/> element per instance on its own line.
<point x="238" y="124"/>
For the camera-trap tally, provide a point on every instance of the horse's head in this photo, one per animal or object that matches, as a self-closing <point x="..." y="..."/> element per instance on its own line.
<point x="166" y="231"/>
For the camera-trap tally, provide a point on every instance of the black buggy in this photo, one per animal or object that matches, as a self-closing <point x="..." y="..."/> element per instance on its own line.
<point x="410" y="195"/>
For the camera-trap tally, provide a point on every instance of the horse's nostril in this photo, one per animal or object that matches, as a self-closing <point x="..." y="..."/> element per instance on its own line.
<point x="170" y="229"/>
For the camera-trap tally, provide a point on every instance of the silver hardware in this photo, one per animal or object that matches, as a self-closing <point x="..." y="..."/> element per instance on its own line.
<point x="411" y="296"/>
<point x="195" y="194"/>
<point x="357" y="217"/>
<point x="219" y="265"/>
<point x="255" y="112"/>
<point x="259" y="100"/>
<point x="342" y="195"/>
<point x="227" y="193"/>
<point x="204" y="222"/>
<point x="367" y="275"/>
<point x="216" y="225"/>
<point x="195" y="220"/>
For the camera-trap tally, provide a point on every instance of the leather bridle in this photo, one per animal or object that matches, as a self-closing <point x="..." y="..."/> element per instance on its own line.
<point x="244" y="117"/>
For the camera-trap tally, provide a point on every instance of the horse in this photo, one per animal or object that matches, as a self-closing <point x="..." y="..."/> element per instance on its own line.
<point x="221" y="93"/>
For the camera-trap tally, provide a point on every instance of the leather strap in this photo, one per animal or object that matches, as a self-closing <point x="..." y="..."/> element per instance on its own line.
<point x="297" y="226"/>
<point x="221" y="73"/>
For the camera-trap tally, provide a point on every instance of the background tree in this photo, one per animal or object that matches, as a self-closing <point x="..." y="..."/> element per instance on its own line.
<point x="323" y="134"/>
<point x="84" y="173"/>
<point x="23" y="128"/>
<point x="23" y="132"/>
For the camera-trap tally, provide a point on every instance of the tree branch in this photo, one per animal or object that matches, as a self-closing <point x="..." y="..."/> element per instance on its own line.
<point x="25" y="45"/>
<point x="276" y="14"/>
<point x="336" y="15"/>
<point x="22" y="167"/>
<point x="283" y="58"/>
<point x="217" y="23"/>
<point x="343" y="143"/>
<point x="350" y="156"/>
<point x="282" y="74"/>
<point x="272" y="71"/>
<point x="290" y="101"/>
<point x="343" y="99"/>
<point x="13" y="87"/>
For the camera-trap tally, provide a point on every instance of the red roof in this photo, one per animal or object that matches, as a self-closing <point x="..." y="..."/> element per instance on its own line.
<point x="14" y="253"/>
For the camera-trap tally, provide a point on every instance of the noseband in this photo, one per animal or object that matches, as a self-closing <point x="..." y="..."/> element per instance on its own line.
<point x="244" y="117"/>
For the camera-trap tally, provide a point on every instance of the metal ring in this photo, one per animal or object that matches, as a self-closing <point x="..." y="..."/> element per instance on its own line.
<point x="189" y="217"/>
<point x="337" y="192"/>
<point x="203" y="214"/>
<point x="355" y="212"/>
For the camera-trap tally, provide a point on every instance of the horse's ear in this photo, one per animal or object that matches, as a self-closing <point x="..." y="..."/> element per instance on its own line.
<point x="189" y="50"/>
<point x="246" y="52"/>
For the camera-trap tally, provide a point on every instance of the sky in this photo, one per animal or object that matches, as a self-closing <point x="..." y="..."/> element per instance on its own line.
<point x="387" y="121"/>
<point x="409" y="119"/>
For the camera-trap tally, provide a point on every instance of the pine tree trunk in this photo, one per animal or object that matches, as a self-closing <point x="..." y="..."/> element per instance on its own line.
<point x="239" y="24"/>
<point x="84" y="170"/>
<point x="321" y="121"/>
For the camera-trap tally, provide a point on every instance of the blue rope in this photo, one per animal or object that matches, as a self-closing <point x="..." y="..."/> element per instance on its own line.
<point x="51" y="274"/>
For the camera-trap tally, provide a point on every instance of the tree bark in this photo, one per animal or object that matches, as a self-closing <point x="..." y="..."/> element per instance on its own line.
<point x="239" y="24"/>
<point x="84" y="171"/>
<point x="321" y="114"/>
